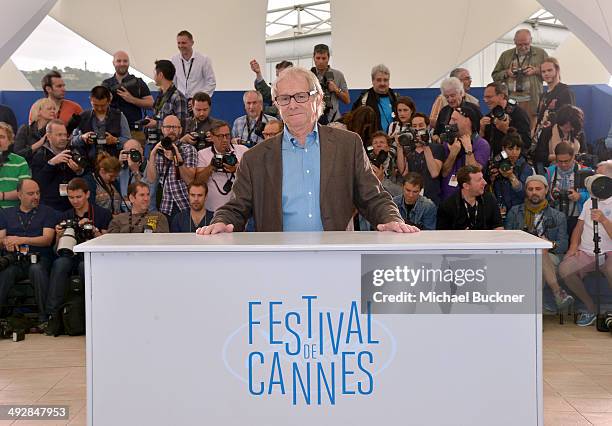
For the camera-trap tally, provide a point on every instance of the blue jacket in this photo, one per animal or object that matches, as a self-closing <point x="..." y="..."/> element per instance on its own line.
<point x="423" y="214"/>
<point x="503" y="190"/>
<point x="584" y="194"/>
<point x="555" y="225"/>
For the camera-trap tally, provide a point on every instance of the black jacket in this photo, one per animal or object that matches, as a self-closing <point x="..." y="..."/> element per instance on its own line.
<point x="372" y="101"/>
<point x="49" y="179"/>
<point x="452" y="214"/>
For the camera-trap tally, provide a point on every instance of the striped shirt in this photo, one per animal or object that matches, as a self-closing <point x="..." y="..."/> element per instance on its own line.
<point x="11" y="171"/>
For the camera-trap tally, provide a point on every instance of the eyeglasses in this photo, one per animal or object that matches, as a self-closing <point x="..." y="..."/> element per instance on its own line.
<point x="268" y="135"/>
<point x="223" y="135"/>
<point x="167" y="127"/>
<point x="300" y="98"/>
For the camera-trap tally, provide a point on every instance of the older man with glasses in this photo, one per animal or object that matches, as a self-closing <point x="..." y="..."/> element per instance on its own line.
<point x="310" y="177"/>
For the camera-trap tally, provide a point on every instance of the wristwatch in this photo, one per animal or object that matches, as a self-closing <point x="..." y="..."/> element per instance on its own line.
<point x="469" y="152"/>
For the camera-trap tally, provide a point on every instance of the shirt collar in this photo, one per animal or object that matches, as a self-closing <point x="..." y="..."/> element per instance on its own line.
<point x="311" y="139"/>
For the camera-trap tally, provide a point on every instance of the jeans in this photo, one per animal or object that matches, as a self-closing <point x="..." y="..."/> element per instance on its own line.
<point x="37" y="273"/>
<point x="61" y="272"/>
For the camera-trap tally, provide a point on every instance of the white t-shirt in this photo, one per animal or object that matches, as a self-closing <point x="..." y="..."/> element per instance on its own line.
<point x="586" y="241"/>
<point x="215" y="199"/>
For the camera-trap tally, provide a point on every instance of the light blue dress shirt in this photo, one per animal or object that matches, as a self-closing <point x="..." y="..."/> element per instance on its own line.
<point x="301" y="183"/>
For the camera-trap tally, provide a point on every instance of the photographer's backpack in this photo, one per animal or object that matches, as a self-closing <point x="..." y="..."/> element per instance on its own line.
<point x="70" y="319"/>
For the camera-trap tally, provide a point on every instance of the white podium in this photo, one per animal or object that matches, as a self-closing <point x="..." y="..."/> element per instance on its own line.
<point x="268" y="329"/>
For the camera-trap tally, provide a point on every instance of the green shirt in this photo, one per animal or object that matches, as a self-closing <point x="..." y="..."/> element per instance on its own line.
<point x="14" y="169"/>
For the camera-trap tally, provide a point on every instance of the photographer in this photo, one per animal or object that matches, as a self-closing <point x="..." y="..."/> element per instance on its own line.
<point x="557" y="95"/>
<point x="416" y="209"/>
<point x="464" y="76"/>
<point x="198" y="128"/>
<point x="26" y="232"/>
<point x="30" y="138"/>
<point x="54" y="165"/>
<point x="91" y="221"/>
<point x="519" y="68"/>
<point x="102" y="128"/>
<point x="563" y="180"/>
<point x="568" y="128"/>
<point x="379" y="97"/>
<point x="470" y="207"/>
<point x="462" y="146"/>
<point x="454" y="93"/>
<point x="503" y="114"/>
<point x="133" y="169"/>
<point x="422" y="156"/>
<point x="217" y="167"/>
<point x="169" y="101"/>
<point x="404" y="108"/>
<point x="262" y="87"/>
<point x="12" y="168"/>
<point x="332" y="82"/>
<point x="580" y="257"/>
<point x="249" y="128"/>
<point x="509" y="172"/>
<point x="139" y="219"/>
<point x="383" y="158"/>
<point x="103" y="183"/>
<point x="538" y="218"/>
<point x="131" y="95"/>
<point x="174" y="163"/>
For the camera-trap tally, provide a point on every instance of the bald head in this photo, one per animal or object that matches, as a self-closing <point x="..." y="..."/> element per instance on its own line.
<point x="132" y="144"/>
<point x="121" y="62"/>
<point x="171" y="127"/>
<point x="522" y="41"/>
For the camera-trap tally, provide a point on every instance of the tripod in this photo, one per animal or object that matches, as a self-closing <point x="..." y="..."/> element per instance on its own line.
<point x="597" y="274"/>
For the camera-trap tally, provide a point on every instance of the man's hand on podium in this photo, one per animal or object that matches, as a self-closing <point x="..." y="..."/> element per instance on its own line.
<point x="397" y="227"/>
<point x="217" y="228"/>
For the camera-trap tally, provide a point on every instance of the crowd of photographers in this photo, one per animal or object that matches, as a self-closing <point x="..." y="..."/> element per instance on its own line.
<point x="134" y="163"/>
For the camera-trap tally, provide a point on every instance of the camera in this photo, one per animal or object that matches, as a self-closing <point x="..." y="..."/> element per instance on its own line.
<point x="139" y="124"/>
<point x="219" y="160"/>
<point x="449" y="134"/>
<point x="134" y="155"/>
<point x="519" y="75"/>
<point x="501" y="162"/>
<point x="561" y="198"/>
<point x="201" y="140"/>
<point x="166" y="144"/>
<point x="607" y="321"/>
<point x="377" y="160"/>
<point x="78" y="158"/>
<point x="8" y="260"/>
<point x="126" y="84"/>
<point x="410" y="138"/>
<point x="587" y="160"/>
<point x="497" y="113"/>
<point x="98" y="137"/>
<point x="73" y="234"/>
<point x="599" y="186"/>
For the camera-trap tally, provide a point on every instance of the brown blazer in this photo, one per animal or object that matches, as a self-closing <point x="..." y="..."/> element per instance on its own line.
<point x="347" y="181"/>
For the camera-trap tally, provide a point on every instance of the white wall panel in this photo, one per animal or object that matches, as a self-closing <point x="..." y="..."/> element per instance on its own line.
<point x="230" y="32"/>
<point x="419" y="41"/>
<point x="17" y="21"/>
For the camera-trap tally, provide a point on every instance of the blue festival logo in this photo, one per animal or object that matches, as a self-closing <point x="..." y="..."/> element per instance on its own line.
<point x="308" y="354"/>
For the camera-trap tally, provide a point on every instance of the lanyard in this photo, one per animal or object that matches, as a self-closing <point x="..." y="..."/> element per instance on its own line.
<point x="26" y="226"/>
<point x="161" y="101"/>
<point x="471" y="220"/>
<point x="520" y="63"/>
<point x="89" y="214"/>
<point x="137" y="224"/>
<point x="246" y="126"/>
<point x="186" y="73"/>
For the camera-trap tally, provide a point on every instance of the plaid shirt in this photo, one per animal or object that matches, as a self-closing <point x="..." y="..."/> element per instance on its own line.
<point x="175" y="105"/>
<point x="173" y="187"/>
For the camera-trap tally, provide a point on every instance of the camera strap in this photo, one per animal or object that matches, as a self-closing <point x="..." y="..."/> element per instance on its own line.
<point x="108" y="189"/>
<point x="520" y="63"/>
<point x="161" y="101"/>
<point x="26" y="226"/>
<point x="255" y="125"/>
<point x="471" y="219"/>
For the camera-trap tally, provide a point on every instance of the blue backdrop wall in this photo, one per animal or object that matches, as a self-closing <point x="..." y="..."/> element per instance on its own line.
<point x="595" y="101"/>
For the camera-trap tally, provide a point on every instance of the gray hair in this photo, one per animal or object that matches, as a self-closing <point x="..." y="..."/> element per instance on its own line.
<point x="522" y="30"/>
<point x="311" y="79"/>
<point x="457" y="71"/>
<point x="57" y="122"/>
<point x="380" y="68"/>
<point x="452" y="83"/>
<point x="259" y="96"/>
<point x="606" y="166"/>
